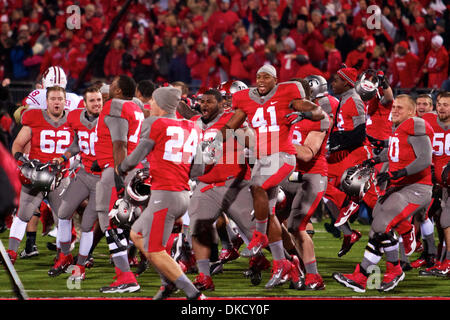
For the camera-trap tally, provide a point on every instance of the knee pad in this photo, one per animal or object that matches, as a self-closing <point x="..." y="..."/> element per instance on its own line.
<point x="386" y="240"/>
<point x="116" y="240"/>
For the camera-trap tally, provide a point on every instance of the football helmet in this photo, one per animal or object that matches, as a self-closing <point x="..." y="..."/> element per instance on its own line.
<point x="39" y="176"/>
<point x="318" y="85"/>
<point x="357" y="180"/>
<point x="124" y="214"/>
<point x="54" y="76"/>
<point x="138" y="189"/>
<point x="367" y="84"/>
<point x="228" y="88"/>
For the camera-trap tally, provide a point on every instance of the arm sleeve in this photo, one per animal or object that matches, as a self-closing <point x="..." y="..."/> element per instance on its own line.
<point x="423" y="150"/>
<point x="142" y="150"/>
<point x="118" y="128"/>
<point x="74" y="148"/>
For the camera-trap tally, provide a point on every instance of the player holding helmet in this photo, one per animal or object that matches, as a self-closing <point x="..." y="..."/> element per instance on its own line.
<point x="49" y="136"/>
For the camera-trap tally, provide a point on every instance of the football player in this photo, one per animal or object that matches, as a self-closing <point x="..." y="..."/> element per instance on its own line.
<point x="346" y="149"/>
<point x="271" y="109"/>
<point x="169" y="144"/>
<point x="53" y="76"/>
<point x="48" y="134"/>
<point x="408" y="189"/>
<point x="119" y="125"/>
<point x="224" y="188"/>
<point x="441" y="158"/>
<point x="83" y="122"/>
<point x="306" y="187"/>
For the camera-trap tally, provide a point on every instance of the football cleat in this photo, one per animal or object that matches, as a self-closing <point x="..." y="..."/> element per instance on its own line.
<point x="313" y="282"/>
<point x="430" y="271"/>
<point x="443" y="270"/>
<point x="203" y="283"/>
<point x="126" y="282"/>
<point x="12" y="256"/>
<point x="216" y="267"/>
<point x="419" y="246"/>
<point x="257" y="264"/>
<point x="227" y="255"/>
<point x="142" y="267"/>
<point x="345" y="213"/>
<point x="393" y="275"/>
<point x="61" y="264"/>
<point x="348" y="242"/>
<point x="165" y="292"/>
<point x="258" y="242"/>
<point x="78" y="273"/>
<point x="425" y="260"/>
<point x="25" y="255"/>
<point x="199" y="296"/>
<point x="280" y="273"/>
<point x="296" y="274"/>
<point x="409" y="241"/>
<point x="356" y="281"/>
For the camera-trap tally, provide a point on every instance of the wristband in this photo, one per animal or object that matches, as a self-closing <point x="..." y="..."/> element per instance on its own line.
<point x="64" y="158"/>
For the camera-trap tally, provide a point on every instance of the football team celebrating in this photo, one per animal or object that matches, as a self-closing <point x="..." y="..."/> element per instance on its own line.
<point x="168" y="176"/>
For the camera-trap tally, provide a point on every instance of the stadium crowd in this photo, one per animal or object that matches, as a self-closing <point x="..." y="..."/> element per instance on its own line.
<point x="318" y="71"/>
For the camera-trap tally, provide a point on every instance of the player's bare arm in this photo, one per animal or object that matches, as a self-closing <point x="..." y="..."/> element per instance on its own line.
<point x="22" y="140"/>
<point x="309" y="109"/>
<point x="235" y="122"/>
<point x="311" y="147"/>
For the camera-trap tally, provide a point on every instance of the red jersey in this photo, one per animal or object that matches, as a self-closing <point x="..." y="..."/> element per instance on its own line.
<point x="329" y="104"/>
<point x="401" y="153"/>
<point x="441" y="145"/>
<point x="300" y="131"/>
<point x="171" y="157"/>
<point x="49" y="139"/>
<point x="85" y="131"/>
<point x="267" y="115"/>
<point x="378" y="121"/>
<point x="232" y="164"/>
<point x="351" y="112"/>
<point x="116" y="108"/>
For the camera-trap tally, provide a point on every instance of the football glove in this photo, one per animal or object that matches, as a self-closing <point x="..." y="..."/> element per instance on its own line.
<point x="371" y="162"/>
<point x="297" y="116"/>
<point x="120" y="185"/>
<point x="390" y="175"/>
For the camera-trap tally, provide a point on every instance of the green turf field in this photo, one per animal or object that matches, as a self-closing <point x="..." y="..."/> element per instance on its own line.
<point x="231" y="283"/>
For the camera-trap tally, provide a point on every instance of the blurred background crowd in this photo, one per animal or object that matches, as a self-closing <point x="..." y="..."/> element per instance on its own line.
<point x="205" y="42"/>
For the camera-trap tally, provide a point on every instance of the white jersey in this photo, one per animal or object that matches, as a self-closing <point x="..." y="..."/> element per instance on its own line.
<point x="37" y="99"/>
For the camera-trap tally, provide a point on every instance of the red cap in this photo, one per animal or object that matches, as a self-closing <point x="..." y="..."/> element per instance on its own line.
<point x="420" y="19"/>
<point x="245" y="39"/>
<point x="403" y="44"/>
<point x="348" y="74"/>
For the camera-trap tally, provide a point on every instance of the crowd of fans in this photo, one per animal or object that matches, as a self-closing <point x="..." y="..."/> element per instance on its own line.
<point x="206" y="42"/>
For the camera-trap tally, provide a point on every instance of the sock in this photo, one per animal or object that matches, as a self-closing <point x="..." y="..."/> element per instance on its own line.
<point x="85" y="246"/>
<point x="31" y="241"/>
<point x="369" y="260"/>
<point x="214" y="255"/>
<point x="224" y="239"/>
<point x="16" y="233"/>
<point x="64" y="235"/>
<point x="121" y="261"/>
<point x="277" y="250"/>
<point x="447" y="256"/>
<point x="183" y="283"/>
<point x="261" y="225"/>
<point x="311" y="267"/>
<point x="345" y="229"/>
<point x="391" y="254"/>
<point x="203" y="267"/>
<point x="232" y="235"/>
<point x="401" y="247"/>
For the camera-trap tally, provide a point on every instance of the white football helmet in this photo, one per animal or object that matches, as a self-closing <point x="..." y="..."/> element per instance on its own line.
<point x="54" y="76"/>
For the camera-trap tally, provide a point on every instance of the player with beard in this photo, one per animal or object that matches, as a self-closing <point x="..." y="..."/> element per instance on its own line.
<point x="441" y="158"/>
<point x="270" y="110"/>
<point x="119" y="124"/>
<point x="83" y="122"/>
<point x="49" y="136"/>
<point x="408" y="190"/>
<point x="169" y="145"/>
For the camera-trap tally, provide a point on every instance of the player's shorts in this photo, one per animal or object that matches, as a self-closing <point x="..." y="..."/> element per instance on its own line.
<point x="156" y="222"/>
<point x="82" y="187"/>
<point x="30" y="201"/>
<point x="398" y="206"/>
<point x="270" y="171"/>
<point x="307" y="195"/>
<point x="106" y="194"/>
<point x="232" y="197"/>
<point x="445" y="204"/>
